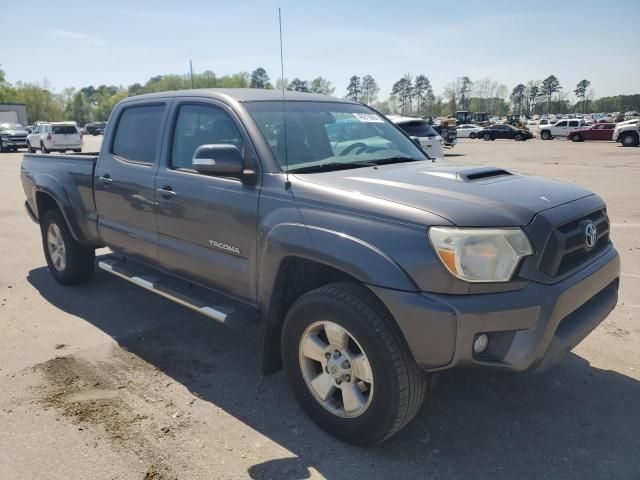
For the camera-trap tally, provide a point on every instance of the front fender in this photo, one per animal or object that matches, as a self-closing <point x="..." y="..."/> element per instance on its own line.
<point x="343" y="252"/>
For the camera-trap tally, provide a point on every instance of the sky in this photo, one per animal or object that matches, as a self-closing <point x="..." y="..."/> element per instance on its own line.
<point x="75" y="44"/>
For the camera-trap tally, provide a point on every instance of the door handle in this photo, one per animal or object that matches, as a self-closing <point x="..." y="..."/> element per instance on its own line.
<point x="105" y="179"/>
<point x="166" y="191"/>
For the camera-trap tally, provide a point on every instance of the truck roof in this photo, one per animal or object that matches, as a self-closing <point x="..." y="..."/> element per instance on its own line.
<point x="243" y="95"/>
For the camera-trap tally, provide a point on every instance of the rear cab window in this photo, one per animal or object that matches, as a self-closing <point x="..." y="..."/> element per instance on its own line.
<point x="137" y="135"/>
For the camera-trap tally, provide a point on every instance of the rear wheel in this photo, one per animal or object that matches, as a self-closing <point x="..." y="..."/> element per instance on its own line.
<point x="486" y="137"/>
<point x="349" y="365"/>
<point x="472" y="135"/>
<point x="1" y="146"/>
<point x="43" y="149"/>
<point x="577" y="138"/>
<point x="69" y="261"/>
<point x="629" y="140"/>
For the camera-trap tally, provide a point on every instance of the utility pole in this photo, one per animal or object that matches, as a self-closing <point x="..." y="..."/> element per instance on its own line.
<point x="191" y="70"/>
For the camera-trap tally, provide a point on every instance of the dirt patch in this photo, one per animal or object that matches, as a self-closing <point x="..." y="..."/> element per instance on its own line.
<point x="123" y="396"/>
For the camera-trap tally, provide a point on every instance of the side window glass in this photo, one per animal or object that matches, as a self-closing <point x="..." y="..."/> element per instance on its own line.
<point x="198" y="125"/>
<point x="562" y="124"/>
<point x="138" y="132"/>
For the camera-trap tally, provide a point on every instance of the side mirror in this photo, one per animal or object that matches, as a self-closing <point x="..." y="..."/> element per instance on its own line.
<point x="218" y="159"/>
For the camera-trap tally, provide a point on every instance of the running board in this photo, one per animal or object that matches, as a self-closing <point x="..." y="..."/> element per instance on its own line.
<point x="196" y="298"/>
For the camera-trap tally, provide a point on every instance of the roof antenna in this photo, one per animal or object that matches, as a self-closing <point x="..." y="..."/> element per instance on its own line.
<point x="287" y="183"/>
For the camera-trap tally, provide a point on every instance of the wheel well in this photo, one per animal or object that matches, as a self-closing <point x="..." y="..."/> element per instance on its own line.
<point x="45" y="202"/>
<point x="296" y="276"/>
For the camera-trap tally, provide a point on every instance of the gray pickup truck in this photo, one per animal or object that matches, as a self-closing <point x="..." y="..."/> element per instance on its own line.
<point x="369" y="266"/>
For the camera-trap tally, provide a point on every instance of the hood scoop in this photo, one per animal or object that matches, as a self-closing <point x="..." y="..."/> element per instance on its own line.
<point x="475" y="175"/>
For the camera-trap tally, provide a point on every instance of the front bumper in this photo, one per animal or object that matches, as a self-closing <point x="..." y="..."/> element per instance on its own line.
<point x="12" y="143"/>
<point x="531" y="328"/>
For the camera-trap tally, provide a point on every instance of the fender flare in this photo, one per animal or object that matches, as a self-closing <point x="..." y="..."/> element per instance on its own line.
<point x="50" y="186"/>
<point x="343" y="252"/>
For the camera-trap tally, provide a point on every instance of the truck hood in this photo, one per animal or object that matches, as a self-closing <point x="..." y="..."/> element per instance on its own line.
<point x="13" y="132"/>
<point x="464" y="195"/>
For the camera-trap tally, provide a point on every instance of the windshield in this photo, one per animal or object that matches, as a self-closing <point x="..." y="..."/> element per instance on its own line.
<point x="330" y="134"/>
<point x="11" y="126"/>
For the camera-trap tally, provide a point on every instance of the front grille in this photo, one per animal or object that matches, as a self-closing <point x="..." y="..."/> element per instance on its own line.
<point x="18" y="138"/>
<point x="567" y="249"/>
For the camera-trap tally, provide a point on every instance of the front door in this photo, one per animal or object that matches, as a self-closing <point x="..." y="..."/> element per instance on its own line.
<point x="207" y="225"/>
<point x="125" y="181"/>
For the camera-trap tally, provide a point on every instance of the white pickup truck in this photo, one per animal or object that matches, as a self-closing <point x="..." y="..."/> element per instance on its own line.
<point x="627" y="133"/>
<point x="560" y="128"/>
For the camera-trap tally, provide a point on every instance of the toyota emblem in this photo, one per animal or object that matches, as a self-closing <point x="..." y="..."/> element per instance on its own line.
<point x="590" y="235"/>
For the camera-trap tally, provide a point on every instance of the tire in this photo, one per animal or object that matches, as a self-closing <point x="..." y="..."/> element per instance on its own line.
<point x="43" y="149"/>
<point x="397" y="386"/>
<point x="1" y="147"/>
<point x="78" y="261"/>
<point x="77" y="150"/>
<point x="629" y="140"/>
<point x="472" y="135"/>
<point x="30" y="149"/>
<point x="518" y="137"/>
<point x="577" y="138"/>
<point x="487" y="137"/>
<point x="545" y="135"/>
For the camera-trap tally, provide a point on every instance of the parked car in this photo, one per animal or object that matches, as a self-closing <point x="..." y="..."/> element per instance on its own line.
<point x="504" y="130"/>
<point x="95" y="128"/>
<point x="368" y="264"/>
<point x="424" y="134"/>
<point x="55" y="137"/>
<point x="627" y="133"/>
<point x="468" y="130"/>
<point x="598" y="131"/>
<point x="560" y="128"/>
<point x="12" y="137"/>
<point x="448" y="131"/>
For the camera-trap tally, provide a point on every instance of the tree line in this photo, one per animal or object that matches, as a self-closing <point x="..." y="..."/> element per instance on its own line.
<point x="409" y="95"/>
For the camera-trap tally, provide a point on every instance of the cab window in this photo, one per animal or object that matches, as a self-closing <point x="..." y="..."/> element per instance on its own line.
<point x="198" y="125"/>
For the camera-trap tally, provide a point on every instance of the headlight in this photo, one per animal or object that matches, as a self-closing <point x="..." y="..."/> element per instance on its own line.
<point x="480" y="254"/>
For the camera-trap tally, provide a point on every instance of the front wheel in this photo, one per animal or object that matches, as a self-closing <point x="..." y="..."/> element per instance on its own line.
<point x="519" y="138"/>
<point x="30" y="149"/>
<point x="349" y="365"/>
<point x="472" y="135"/>
<point x="486" y="137"/>
<point x="43" y="149"/>
<point x="545" y="135"/>
<point x="629" y="140"/>
<point x="576" y="138"/>
<point x="69" y="261"/>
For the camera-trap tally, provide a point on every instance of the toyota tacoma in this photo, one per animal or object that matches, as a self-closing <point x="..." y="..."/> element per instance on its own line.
<point x="369" y="266"/>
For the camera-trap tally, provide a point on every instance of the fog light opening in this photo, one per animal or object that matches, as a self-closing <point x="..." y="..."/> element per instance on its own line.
<point x="481" y="343"/>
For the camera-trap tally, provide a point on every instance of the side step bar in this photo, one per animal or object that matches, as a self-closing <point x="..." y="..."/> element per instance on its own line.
<point x="193" y="297"/>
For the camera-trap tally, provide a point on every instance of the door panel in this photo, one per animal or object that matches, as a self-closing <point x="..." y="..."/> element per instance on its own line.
<point x="208" y="227"/>
<point x="125" y="182"/>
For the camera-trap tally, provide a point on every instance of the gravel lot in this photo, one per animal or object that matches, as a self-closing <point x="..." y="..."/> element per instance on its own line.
<point x="107" y="381"/>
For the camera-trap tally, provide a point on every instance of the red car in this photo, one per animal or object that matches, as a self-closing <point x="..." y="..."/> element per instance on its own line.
<point x="599" y="131"/>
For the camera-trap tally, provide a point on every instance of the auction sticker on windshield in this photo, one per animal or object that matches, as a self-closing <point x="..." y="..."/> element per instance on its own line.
<point x="368" y="117"/>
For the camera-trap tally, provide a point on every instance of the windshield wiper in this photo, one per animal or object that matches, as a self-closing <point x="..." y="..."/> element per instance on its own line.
<point x="327" y="167"/>
<point x="390" y="160"/>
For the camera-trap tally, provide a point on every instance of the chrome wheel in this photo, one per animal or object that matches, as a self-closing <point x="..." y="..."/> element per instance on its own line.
<point x="335" y="368"/>
<point x="56" y="247"/>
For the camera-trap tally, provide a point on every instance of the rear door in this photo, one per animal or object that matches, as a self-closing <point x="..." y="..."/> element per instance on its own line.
<point x="207" y="225"/>
<point x="606" y="131"/>
<point x="125" y="179"/>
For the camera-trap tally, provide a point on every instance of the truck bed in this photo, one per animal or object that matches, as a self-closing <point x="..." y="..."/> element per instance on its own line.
<point x="67" y="180"/>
